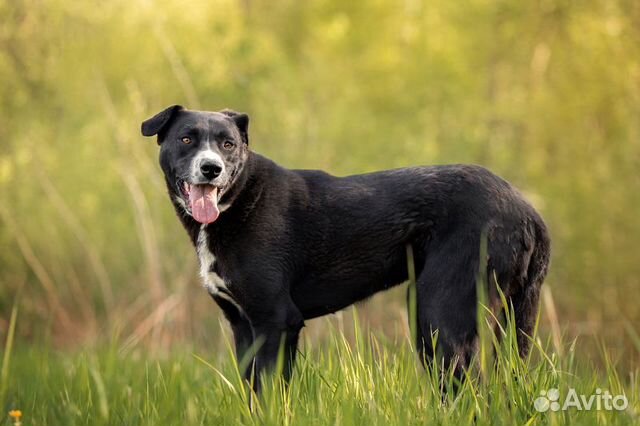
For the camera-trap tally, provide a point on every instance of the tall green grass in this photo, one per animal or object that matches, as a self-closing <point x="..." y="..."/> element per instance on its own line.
<point x="372" y="380"/>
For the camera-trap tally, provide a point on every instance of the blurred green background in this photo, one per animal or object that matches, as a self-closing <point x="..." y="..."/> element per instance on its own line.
<point x="545" y="93"/>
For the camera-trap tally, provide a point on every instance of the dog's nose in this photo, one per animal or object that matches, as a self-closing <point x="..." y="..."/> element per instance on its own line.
<point x="210" y="169"/>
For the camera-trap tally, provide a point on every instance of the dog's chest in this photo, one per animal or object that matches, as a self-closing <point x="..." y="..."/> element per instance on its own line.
<point x="212" y="281"/>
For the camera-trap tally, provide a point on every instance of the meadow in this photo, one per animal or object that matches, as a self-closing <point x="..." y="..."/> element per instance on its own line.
<point x="103" y="319"/>
<point x="369" y="381"/>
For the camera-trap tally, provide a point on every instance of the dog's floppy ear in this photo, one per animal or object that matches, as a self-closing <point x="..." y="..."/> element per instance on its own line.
<point x="242" y="122"/>
<point x="156" y="124"/>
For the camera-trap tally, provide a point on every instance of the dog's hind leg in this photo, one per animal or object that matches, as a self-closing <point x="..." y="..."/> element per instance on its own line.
<point x="446" y="297"/>
<point x="525" y="309"/>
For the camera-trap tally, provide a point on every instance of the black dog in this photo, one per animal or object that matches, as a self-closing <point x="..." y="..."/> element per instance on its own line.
<point x="279" y="246"/>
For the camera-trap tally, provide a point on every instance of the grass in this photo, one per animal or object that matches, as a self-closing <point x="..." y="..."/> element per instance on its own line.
<point x="368" y="381"/>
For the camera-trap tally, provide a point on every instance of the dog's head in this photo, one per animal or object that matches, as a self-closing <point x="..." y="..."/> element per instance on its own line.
<point x="201" y="155"/>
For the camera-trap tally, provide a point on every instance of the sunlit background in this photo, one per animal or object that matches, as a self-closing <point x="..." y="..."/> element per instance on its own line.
<point x="545" y="93"/>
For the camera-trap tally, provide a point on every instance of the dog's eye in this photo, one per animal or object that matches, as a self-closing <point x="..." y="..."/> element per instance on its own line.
<point x="227" y="144"/>
<point x="186" y="140"/>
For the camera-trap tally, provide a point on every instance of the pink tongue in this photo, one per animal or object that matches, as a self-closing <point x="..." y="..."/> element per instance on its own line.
<point x="203" y="200"/>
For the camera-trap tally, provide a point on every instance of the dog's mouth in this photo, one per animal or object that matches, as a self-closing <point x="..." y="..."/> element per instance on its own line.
<point x="202" y="201"/>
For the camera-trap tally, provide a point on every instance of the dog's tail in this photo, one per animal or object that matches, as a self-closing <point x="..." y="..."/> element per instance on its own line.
<point x="526" y="298"/>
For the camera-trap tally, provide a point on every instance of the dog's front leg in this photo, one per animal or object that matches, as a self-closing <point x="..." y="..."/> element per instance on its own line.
<point x="275" y="329"/>
<point x="242" y="334"/>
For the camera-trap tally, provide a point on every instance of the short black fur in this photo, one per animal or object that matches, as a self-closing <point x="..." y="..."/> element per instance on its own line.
<point x="298" y="244"/>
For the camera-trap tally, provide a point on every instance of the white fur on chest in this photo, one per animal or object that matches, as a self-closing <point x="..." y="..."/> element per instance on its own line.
<point x="212" y="281"/>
